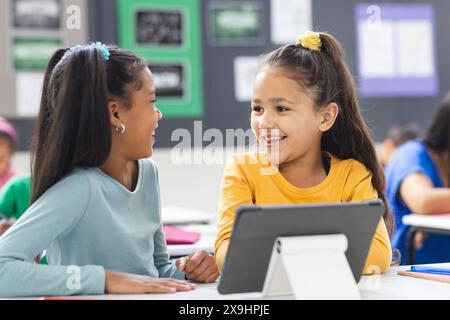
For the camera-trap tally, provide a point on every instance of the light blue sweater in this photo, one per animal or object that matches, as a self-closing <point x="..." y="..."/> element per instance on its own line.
<point x="91" y="221"/>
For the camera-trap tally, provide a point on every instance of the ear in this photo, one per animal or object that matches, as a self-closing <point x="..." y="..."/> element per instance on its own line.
<point x="115" y="108"/>
<point x="328" y="114"/>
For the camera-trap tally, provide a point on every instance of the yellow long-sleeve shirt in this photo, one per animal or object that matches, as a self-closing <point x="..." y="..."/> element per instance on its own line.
<point x="248" y="179"/>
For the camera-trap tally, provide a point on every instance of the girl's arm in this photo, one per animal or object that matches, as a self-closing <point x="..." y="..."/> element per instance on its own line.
<point x="235" y="192"/>
<point x="380" y="253"/>
<point x="379" y="258"/>
<point x="161" y="256"/>
<point x="419" y="194"/>
<point x="166" y="269"/>
<point x="55" y="213"/>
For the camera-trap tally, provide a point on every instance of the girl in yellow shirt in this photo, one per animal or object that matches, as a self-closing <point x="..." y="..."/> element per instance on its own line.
<point x="317" y="148"/>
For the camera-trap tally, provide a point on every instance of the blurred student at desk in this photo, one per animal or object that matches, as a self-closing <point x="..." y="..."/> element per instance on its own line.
<point x="418" y="181"/>
<point x="398" y="136"/>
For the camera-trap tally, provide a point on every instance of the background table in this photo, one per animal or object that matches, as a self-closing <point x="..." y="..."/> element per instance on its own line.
<point x="434" y="224"/>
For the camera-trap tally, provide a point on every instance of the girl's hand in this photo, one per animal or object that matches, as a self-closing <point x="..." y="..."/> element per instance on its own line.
<point x="5" y="225"/>
<point x="125" y="283"/>
<point x="199" y="266"/>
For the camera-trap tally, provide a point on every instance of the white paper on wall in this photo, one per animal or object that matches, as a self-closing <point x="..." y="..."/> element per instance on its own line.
<point x="28" y="93"/>
<point x="244" y="75"/>
<point x="415" y="48"/>
<point x="377" y="49"/>
<point x="290" y="19"/>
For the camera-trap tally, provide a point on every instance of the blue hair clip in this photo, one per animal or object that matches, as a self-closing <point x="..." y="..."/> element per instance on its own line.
<point x="98" y="45"/>
<point x="103" y="49"/>
<point x="77" y="47"/>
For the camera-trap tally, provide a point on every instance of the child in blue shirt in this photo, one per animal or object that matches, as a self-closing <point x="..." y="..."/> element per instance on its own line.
<point x="418" y="181"/>
<point x="95" y="203"/>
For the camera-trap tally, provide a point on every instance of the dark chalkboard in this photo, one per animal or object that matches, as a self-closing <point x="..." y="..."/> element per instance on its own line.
<point x="36" y="14"/>
<point x="159" y="27"/>
<point x="169" y="80"/>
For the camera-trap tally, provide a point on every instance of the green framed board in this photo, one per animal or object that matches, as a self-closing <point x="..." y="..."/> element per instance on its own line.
<point x="33" y="53"/>
<point x="235" y="23"/>
<point x="167" y="34"/>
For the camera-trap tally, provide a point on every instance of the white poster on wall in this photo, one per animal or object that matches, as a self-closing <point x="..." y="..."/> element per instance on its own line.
<point x="290" y="19"/>
<point x="28" y="93"/>
<point x="377" y="47"/>
<point x="390" y="49"/>
<point x="396" y="45"/>
<point x="415" y="45"/>
<point x="244" y="75"/>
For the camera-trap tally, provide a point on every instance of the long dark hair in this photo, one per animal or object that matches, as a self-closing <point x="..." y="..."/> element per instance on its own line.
<point x="73" y="127"/>
<point x="326" y="74"/>
<point x="437" y="137"/>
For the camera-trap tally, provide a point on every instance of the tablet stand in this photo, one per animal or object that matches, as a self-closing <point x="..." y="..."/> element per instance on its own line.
<point x="310" y="267"/>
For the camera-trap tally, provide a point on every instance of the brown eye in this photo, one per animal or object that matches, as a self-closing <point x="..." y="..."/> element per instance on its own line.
<point x="282" y="109"/>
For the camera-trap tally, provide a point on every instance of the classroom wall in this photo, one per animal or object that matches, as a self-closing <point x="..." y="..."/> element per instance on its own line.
<point x="337" y="17"/>
<point x="9" y="83"/>
<point x="222" y="111"/>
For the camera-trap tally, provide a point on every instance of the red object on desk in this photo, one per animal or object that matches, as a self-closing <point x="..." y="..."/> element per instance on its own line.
<point x="64" y="299"/>
<point x="179" y="236"/>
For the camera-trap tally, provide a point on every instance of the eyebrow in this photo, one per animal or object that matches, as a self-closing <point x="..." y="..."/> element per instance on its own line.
<point x="275" y="100"/>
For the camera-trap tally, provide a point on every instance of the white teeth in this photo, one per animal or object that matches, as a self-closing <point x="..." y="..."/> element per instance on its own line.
<point x="273" y="139"/>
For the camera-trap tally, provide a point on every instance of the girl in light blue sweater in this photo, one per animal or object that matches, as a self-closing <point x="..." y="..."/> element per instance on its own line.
<point x="95" y="195"/>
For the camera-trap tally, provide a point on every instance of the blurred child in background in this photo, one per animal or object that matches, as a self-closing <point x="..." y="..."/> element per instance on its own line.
<point x="14" y="201"/>
<point x="418" y="181"/>
<point x="397" y="136"/>
<point x="8" y="142"/>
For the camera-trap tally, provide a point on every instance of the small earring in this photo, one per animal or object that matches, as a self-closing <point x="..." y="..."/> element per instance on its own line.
<point x="121" y="130"/>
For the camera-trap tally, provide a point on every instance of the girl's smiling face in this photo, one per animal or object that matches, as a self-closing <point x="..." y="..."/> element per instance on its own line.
<point x="144" y="115"/>
<point x="284" y="117"/>
<point x="141" y="120"/>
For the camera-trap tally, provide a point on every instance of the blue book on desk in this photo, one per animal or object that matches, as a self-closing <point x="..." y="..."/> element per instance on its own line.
<point x="432" y="270"/>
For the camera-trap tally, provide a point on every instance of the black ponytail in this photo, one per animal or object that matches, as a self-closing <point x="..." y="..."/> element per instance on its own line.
<point x="74" y="128"/>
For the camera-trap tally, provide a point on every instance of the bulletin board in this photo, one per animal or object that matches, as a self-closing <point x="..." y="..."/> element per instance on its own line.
<point x="167" y="34"/>
<point x="396" y="49"/>
<point x="235" y="23"/>
<point x="30" y="32"/>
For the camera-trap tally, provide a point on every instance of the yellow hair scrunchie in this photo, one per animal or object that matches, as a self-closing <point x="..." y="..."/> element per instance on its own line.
<point x="310" y="40"/>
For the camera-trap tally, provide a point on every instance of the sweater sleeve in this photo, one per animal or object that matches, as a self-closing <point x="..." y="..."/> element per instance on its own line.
<point x="166" y="268"/>
<point x="54" y="214"/>
<point x="235" y="192"/>
<point x="380" y="252"/>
